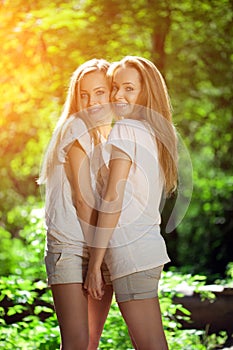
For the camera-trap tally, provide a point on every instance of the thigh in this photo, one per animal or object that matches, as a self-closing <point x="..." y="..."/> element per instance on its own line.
<point x="97" y="314"/>
<point x="70" y="302"/>
<point x="143" y="318"/>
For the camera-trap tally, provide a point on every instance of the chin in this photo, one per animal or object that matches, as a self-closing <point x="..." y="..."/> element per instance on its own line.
<point x="123" y="110"/>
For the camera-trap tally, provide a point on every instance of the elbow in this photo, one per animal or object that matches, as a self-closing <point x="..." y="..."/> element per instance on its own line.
<point x="82" y="205"/>
<point x="111" y="205"/>
<point x="79" y="204"/>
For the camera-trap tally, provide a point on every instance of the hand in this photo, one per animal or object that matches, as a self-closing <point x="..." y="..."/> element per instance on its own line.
<point x="94" y="284"/>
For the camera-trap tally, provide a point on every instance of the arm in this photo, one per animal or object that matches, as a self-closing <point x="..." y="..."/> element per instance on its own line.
<point x="83" y="194"/>
<point x="108" y="217"/>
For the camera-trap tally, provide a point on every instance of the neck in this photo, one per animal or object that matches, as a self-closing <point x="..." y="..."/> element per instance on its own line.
<point x="104" y="130"/>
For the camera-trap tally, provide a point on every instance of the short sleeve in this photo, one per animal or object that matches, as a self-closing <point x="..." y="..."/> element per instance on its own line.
<point x="122" y="136"/>
<point x="74" y="130"/>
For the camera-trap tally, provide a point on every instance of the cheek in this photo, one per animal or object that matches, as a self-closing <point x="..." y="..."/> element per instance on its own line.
<point x="105" y="98"/>
<point x="84" y="103"/>
<point x="138" y="98"/>
<point x="133" y="98"/>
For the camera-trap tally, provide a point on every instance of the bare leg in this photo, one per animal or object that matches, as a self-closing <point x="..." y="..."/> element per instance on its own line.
<point x="143" y="318"/>
<point x="97" y="314"/>
<point x="133" y="341"/>
<point x="71" y="308"/>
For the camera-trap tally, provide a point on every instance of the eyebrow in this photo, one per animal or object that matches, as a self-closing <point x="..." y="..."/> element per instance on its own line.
<point x="100" y="87"/>
<point x="97" y="88"/>
<point x="126" y="83"/>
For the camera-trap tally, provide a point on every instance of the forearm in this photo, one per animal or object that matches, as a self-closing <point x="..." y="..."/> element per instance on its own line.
<point x="78" y="171"/>
<point x="108" y="216"/>
<point x="104" y="230"/>
<point x="87" y="218"/>
<point x="110" y="210"/>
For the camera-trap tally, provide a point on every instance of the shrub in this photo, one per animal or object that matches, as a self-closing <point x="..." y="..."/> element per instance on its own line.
<point x="26" y="299"/>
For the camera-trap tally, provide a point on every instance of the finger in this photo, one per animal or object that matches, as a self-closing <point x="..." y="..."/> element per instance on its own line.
<point x="95" y="294"/>
<point x="100" y="293"/>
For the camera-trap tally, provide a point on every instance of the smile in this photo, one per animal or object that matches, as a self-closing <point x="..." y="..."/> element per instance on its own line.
<point x="121" y="105"/>
<point x="93" y="110"/>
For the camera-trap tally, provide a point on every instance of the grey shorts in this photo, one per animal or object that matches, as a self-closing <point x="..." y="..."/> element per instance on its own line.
<point x="69" y="268"/>
<point x="138" y="285"/>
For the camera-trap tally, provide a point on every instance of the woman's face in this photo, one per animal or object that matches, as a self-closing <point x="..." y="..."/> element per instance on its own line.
<point x="94" y="95"/>
<point x="126" y="88"/>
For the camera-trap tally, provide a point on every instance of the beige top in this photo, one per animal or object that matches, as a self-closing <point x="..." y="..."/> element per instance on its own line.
<point x="136" y="243"/>
<point x="64" y="232"/>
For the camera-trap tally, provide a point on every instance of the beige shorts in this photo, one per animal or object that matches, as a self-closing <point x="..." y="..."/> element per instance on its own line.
<point x="138" y="285"/>
<point x="69" y="268"/>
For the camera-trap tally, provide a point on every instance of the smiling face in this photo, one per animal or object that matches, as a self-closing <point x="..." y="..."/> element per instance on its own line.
<point x="94" y="94"/>
<point x="126" y="88"/>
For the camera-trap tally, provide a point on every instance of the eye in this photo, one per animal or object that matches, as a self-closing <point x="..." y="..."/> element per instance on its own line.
<point x="83" y="95"/>
<point x="129" y="88"/>
<point x="100" y="92"/>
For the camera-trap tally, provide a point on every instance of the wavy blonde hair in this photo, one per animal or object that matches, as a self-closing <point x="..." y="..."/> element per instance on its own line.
<point x="71" y="107"/>
<point x="158" y="112"/>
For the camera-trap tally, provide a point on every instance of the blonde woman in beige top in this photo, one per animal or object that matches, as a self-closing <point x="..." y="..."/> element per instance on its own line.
<point x="142" y="167"/>
<point x="70" y="205"/>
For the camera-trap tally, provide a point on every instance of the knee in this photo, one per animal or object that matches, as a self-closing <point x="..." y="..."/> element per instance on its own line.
<point x="75" y="342"/>
<point x="93" y="343"/>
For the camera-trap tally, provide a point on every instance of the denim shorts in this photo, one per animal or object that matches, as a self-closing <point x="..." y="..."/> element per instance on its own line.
<point x="138" y="285"/>
<point x="69" y="268"/>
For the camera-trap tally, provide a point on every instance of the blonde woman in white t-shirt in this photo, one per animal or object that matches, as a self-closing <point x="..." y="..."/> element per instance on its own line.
<point x="142" y="166"/>
<point x="70" y="205"/>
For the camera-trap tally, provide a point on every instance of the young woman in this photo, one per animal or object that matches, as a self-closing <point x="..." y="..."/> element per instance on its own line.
<point x="71" y="199"/>
<point x="142" y="167"/>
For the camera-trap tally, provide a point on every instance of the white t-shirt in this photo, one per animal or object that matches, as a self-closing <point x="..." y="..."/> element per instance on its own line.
<point x="63" y="228"/>
<point x="136" y="243"/>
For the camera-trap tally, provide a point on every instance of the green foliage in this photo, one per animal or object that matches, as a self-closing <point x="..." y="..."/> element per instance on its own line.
<point x="204" y="118"/>
<point x="228" y="281"/>
<point x="30" y="332"/>
<point x="33" y="333"/>
<point x="41" y="44"/>
<point x="115" y="334"/>
<point x="23" y="254"/>
<point x="27" y="302"/>
<point x="189" y="41"/>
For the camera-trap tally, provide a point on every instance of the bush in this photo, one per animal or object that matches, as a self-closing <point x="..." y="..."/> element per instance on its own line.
<point x="27" y="318"/>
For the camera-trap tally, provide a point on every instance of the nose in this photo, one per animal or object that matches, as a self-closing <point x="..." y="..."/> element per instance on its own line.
<point x="92" y="100"/>
<point x="118" y="95"/>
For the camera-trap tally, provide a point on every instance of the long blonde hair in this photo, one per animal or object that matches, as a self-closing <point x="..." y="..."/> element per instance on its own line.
<point x="71" y="107"/>
<point x="158" y="112"/>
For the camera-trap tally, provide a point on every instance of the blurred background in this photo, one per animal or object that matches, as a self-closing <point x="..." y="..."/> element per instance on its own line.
<point x="42" y="43"/>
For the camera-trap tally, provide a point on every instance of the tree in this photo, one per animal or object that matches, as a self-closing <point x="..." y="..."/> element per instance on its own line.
<point x="190" y="42"/>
